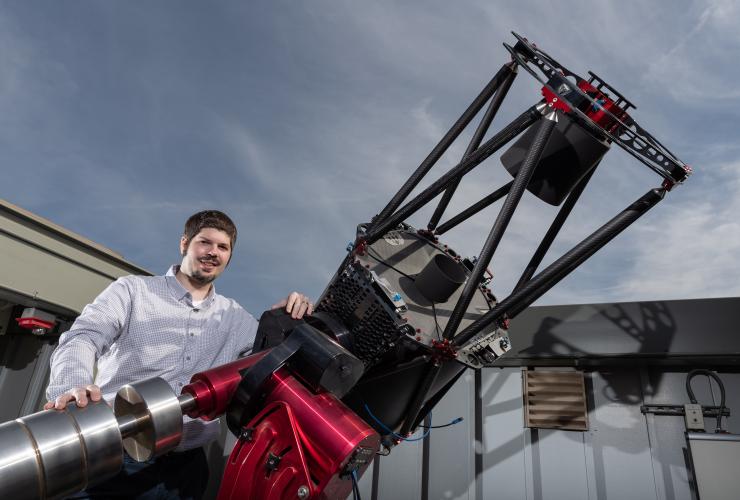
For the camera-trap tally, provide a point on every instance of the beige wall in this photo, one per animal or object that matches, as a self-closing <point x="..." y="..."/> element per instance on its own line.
<point x="40" y="260"/>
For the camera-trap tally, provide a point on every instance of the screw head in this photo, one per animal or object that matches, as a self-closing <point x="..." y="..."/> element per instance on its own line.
<point x="303" y="492"/>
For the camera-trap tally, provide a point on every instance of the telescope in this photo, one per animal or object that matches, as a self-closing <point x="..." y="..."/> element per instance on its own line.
<point x="399" y="322"/>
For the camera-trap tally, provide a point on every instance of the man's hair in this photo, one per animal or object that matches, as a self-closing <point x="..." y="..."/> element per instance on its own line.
<point x="209" y="219"/>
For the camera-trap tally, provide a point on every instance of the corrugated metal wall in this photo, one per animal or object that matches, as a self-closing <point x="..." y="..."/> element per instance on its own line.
<point x="624" y="454"/>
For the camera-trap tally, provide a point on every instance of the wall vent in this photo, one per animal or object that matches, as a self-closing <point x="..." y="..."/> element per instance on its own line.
<point x="555" y="400"/>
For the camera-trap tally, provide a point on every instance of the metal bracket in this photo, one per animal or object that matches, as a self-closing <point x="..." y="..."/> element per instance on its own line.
<point x="247" y="433"/>
<point x="679" y="410"/>
<point x="272" y="462"/>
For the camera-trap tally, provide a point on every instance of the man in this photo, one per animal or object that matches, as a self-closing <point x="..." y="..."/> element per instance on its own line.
<point x="168" y="326"/>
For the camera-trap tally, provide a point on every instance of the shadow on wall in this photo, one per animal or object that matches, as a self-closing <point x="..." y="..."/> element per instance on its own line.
<point x="636" y="330"/>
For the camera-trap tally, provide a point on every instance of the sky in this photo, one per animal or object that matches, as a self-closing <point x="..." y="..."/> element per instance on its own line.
<point x="301" y="119"/>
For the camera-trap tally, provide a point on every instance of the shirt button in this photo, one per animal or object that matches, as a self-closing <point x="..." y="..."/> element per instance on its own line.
<point x="180" y="384"/>
<point x="196" y="310"/>
<point x="192" y="335"/>
<point x="188" y="358"/>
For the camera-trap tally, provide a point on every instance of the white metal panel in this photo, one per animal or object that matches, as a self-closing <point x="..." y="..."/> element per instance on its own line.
<point x="618" y="448"/>
<point x="503" y="474"/>
<point x="451" y="457"/>
<point x="556" y="465"/>
<point x="400" y="472"/>
<point x="715" y="459"/>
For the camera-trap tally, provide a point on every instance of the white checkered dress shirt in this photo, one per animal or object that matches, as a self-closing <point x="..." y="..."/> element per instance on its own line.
<point x="147" y="326"/>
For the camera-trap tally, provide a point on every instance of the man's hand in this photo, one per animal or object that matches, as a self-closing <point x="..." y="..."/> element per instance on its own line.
<point x="296" y="304"/>
<point x="78" y="394"/>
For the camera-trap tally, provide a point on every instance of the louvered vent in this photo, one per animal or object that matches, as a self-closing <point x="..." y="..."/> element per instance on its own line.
<point x="555" y="400"/>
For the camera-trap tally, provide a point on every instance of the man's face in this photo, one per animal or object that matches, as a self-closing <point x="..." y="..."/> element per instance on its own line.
<point x="206" y="255"/>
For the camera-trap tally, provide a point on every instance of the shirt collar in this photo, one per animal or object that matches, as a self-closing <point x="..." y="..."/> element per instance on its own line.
<point x="180" y="292"/>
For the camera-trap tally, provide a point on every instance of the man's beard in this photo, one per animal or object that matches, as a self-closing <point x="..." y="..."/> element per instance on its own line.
<point x="197" y="276"/>
<point x="202" y="279"/>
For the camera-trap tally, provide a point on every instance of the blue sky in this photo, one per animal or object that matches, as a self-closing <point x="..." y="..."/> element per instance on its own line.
<point x="301" y="119"/>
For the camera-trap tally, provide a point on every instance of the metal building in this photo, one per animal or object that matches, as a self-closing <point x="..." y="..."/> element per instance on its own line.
<point x="634" y="358"/>
<point x="47" y="275"/>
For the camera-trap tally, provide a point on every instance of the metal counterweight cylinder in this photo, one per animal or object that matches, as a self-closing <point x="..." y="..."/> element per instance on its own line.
<point x="157" y="414"/>
<point x="52" y="454"/>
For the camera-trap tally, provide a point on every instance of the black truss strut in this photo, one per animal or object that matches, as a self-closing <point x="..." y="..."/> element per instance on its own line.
<point x="554" y="229"/>
<point x="531" y="159"/>
<point x="517" y="126"/>
<point x="521" y="181"/>
<point x="521" y="298"/>
<point x="445" y="143"/>
<point x="477" y="138"/>
<point x="586" y="105"/>
<point x="474" y="208"/>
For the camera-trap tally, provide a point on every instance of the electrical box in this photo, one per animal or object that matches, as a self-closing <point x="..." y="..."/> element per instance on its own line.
<point x="694" y="417"/>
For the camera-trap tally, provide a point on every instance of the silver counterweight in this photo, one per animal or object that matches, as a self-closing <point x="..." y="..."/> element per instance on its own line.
<point x="52" y="453"/>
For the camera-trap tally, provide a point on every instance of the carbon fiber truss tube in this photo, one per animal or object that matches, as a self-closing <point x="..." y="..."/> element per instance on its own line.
<point x="533" y="289"/>
<point x="554" y="229"/>
<point x="521" y="181"/>
<point x="474" y="208"/>
<point x="446" y="141"/>
<point x="477" y="138"/>
<point x="598" y="114"/>
<point x="499" y="227"/>
<point x="469" y="163"/>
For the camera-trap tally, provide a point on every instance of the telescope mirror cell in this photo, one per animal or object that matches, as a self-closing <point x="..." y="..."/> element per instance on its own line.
<point x="397" y="296"/>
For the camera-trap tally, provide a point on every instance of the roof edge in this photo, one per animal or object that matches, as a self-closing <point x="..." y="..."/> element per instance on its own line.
<point x="70" y="236"/>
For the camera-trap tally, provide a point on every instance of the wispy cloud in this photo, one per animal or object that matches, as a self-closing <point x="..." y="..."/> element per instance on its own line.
<point x="302" y="122"/>
<point x="691" y="71"/>
<point x="695" y="252"/>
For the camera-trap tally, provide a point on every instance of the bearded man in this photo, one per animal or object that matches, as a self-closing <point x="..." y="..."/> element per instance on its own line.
<point x="172" y="327"/>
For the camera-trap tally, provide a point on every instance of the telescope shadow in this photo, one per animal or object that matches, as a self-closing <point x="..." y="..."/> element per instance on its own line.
<point x="614" y="392"/>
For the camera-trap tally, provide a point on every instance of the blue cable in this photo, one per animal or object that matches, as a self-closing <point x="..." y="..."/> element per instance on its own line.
<point x="355" y="485"/>
<point x="398" y="436"/>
